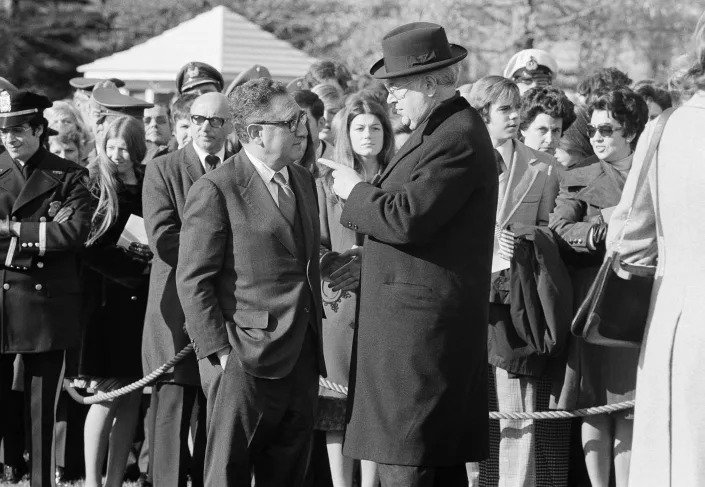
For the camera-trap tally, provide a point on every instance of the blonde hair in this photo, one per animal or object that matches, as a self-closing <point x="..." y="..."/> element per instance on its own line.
<point x="105" y="181"/>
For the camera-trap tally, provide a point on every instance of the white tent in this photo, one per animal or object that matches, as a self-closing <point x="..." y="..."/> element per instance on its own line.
<point x="219" y="37"/>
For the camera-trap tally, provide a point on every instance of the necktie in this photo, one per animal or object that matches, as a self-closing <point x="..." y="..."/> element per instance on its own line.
<point x="287" y="200"/>
<point x="499" y="160"/>
<point x="212" y="161"/>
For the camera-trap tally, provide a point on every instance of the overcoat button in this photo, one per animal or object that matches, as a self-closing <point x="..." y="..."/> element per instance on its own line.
<point x="14" y="218"/>
<point x="306" y="310"/>
<point x="38" y="287"/>
<point x="133" y="298"/>
<point x="6" y="286"/>
<point x="42" y="218"/>
<point x="40" y="265"/>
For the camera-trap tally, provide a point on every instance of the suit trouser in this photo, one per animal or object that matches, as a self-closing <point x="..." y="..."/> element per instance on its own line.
<point x="260" y="426"/>
<point x="175" y="410"/>
<point x="43" y="374"/>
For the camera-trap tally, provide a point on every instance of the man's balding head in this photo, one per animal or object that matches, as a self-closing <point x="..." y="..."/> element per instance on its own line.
<point x="208" y="110"/>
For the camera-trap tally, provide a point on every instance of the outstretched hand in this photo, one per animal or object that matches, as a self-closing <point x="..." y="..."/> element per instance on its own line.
<point x="344" y="178"/>
<point x="347" y="276"/>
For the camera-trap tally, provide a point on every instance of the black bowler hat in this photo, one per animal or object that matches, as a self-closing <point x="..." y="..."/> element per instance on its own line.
<point x="416" y="48"/>
<point x="19" y="107"/>
<point x="195" y="74"/>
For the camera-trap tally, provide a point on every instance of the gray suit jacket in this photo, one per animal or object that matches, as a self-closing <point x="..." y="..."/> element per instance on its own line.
<point x="167" y="181"/>
<point x="240" y="279"/>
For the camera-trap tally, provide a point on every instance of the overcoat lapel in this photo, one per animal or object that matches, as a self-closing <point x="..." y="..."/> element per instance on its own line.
<point x="260" y="201"/>
<point x="412" y="143"/>
<point x="39" y="183"/>
<point x="11" y="178"/>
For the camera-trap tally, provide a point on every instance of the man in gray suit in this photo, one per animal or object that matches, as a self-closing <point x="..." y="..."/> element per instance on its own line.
<point x="178" y="404"/>
<point x="248" y="279"/>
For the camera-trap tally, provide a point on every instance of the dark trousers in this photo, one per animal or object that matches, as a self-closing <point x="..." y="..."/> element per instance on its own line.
<point x="43" y="374"/>
<point x="174" y="411"/>
<point x="261" y="426"/>
<point x="70" y="419"/>
<point x="410" y="476"/>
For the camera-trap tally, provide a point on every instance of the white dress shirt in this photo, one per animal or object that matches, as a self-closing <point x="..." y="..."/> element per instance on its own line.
<point x="267" y="175"/>
<point x="202" y="155"/>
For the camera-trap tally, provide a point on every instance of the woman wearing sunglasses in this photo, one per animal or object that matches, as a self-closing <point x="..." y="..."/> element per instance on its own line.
<point x="597" y="375"/>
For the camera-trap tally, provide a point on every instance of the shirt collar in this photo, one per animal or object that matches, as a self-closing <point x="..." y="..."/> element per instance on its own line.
<point x="202" y="154"/>
<point x="266" y="172"/>
<point x="507" y="152"/>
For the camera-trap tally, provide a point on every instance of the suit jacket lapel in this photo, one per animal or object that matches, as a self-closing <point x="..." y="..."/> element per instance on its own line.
<point x="521" y="179"/>
<point x="192" y="163"/>
<point x="260" y="201"/>
<point x="304" y="194"/>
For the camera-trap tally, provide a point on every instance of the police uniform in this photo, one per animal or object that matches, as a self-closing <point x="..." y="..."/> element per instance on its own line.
<point x="194" y="75"/>
<point x="40" y="299"/>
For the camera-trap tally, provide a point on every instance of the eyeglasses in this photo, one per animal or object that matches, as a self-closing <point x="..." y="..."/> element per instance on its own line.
<point x="396" y="91"/>
<point x="16" y="131"/>
<point x="215" y="122"/>
<point x="293" y="124"/>
<point x="605" y="130"/>
<point x="161" y="119"/>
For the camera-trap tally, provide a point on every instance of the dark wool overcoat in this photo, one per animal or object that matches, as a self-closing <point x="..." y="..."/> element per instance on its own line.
<point x="40" y="298"/>
<point x="419" y="378"/>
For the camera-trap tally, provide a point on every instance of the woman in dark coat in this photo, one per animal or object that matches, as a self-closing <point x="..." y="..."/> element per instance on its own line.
<point x="598" y="375"/>
<point x="115" y="282"/>
<point x="365" y="143"/>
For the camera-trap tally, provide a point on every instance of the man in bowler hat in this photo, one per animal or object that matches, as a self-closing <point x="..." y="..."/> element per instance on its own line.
<point x="418" y="394"/>
<point x="40" y="300"/>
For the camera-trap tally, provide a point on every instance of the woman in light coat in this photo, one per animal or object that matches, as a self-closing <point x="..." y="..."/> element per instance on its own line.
<point x="669" y="429"/>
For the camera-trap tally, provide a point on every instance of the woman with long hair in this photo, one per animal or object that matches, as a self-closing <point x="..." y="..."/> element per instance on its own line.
<point x="115" y="296"/>
<point x="365" y="142"/>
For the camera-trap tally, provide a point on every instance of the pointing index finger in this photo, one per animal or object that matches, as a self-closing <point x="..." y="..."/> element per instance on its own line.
<point x="332" y="164"/>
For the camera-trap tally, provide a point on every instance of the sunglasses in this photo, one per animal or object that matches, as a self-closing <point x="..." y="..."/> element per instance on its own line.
<point x="293" y="124"/>
<point x="159" y="119"/>
<point x="215" y="122"/>
<point x="605" y="130"/>
<point x="16" y="131"/>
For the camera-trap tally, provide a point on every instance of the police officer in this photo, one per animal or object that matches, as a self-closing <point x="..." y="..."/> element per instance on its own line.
<point x="83" y="87"/>
<point x="197" y="77"/>
<point x="39" y="300"/>
<point x="531" y="68"/>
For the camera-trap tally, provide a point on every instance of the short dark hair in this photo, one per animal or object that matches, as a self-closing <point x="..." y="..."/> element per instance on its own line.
<point x="321" y="71"/>
<point x="39" y="121"/>
<point x="492" y="89"/>
<point x="251" y="101"/>
<point x="308" y="100"/>
<point x="600" y="82"/>
<point x="626" y="107"/>
<point x="652" y="93"/>
<point x="181" y="107"/>
<point x="549" y="100"/>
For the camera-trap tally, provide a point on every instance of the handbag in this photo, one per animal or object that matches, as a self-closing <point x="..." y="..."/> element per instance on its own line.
<point x="616" y="308"/>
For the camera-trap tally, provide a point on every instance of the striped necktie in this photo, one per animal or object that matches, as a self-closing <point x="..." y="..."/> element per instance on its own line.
<point x="287" y="200"/>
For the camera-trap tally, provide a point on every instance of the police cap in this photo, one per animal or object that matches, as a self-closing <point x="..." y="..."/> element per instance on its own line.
<point x="255" y="72"/>
<point x="109" y="101"/>
<point x="87" y="84"/>
<point x="196" y="74"/>
<point x="6" y="85"/>
<point x="531" y="63"/>
<point x="19" y="107"/>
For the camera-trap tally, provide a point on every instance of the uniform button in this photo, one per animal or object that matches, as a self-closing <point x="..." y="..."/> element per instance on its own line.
<point x="14" y="218"/>
<point x="6" y="286"/>
<point x="306" y="310"/>
<point x="133" y="298"/>
<point x="40" y="265"/>
<point x="30" y="244"/>
<point x="24" y="244"/>
<point x="42" y="218"/>
<point x="38" y="287"/>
